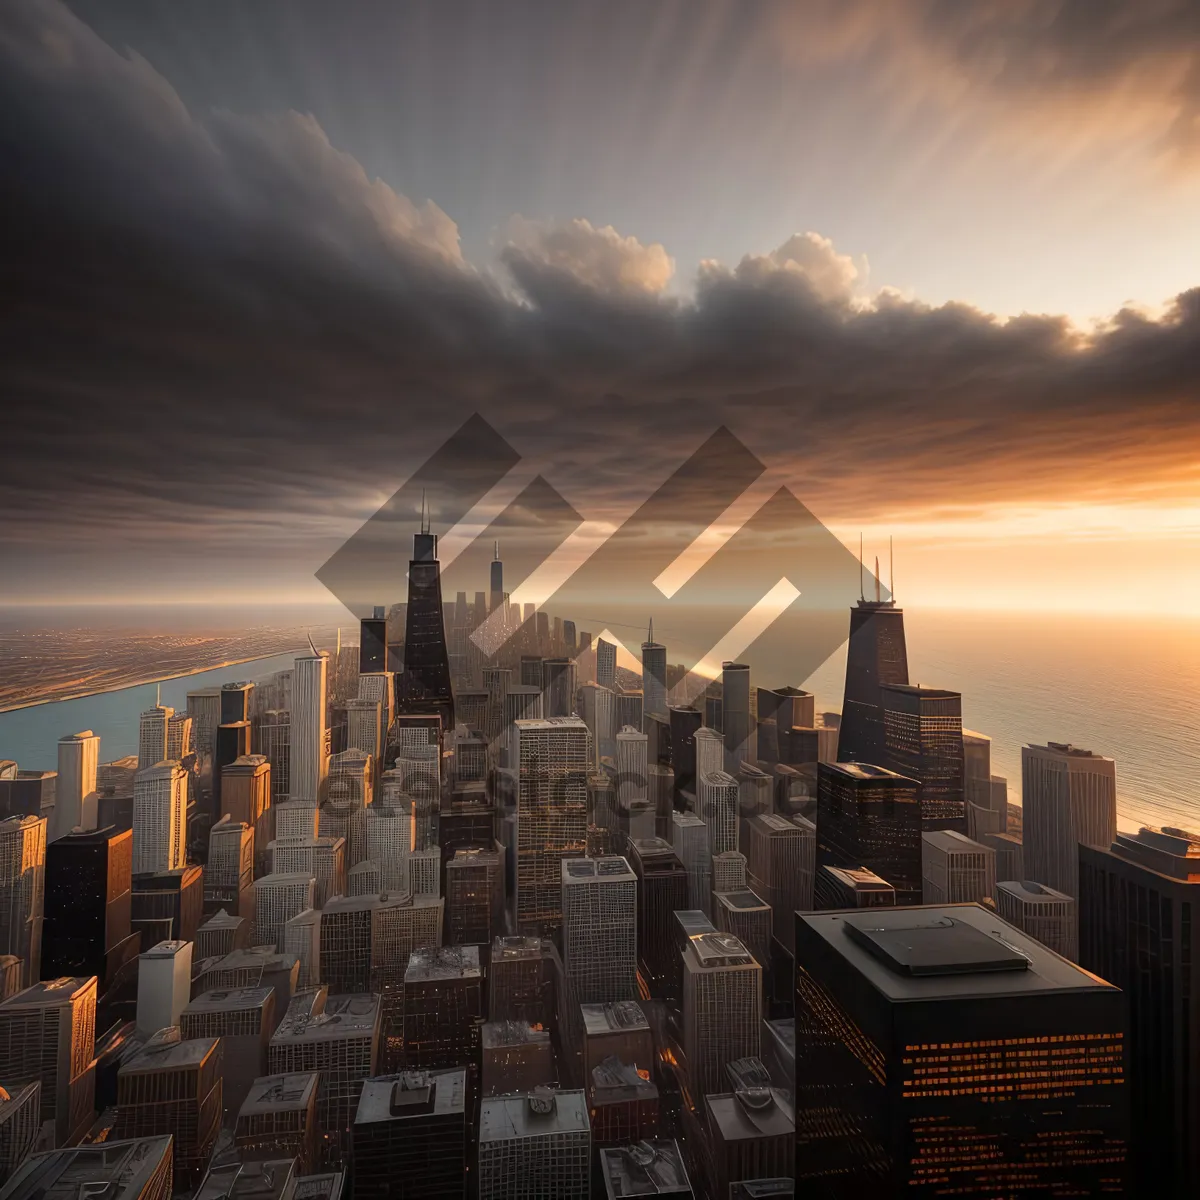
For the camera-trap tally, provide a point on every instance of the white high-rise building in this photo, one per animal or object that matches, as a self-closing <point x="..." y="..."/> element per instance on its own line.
<point x="363" y="727"/>
<point x="1044" y="913"/>
<point x="302" y="937"/>
<point x="309" y="731"/>
<point x="349" y="790"/>
<point x="204" y="707"/>
<point x="717" y="793"/>
<point x="389" y="836"/>
<point x="179" y="737"/>
<point x="277" y="899"/>
<point x="379" y="686"/>
<point x="323" y="859"/>
<point x="1068" y="799"/>
<point x="729" y="871"/>
<point x="689" y="840"/>
<point x="159" y="818"/>
<point x="710" y="751"/>
<point x="722" y="1009"/>
<point x="164" y="985"/>
<point x="75" y="787"/>
<point x="554" y="756"/>
<point x="600" y="929"/>
<point x="152" y="735"/>
<point x="632" y="753"/>
<point x="956" y="870"/>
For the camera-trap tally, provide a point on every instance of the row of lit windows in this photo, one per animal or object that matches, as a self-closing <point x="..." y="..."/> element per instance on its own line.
<point x="1021" y="1041"/>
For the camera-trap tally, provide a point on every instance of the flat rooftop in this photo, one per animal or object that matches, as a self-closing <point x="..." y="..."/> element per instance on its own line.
<point x="615" y="1017"/>
<point x="230" y="999"/>
<point x="1033" y="893"/>
<point x="344" y="1017"/>
<point x="736" y="1120"/>
<point x="50" y="991"/>
<point x="280" y="1093"/>
<point x="864" y="771"/>
<point x="443" y="962"/>
<point x="953" y="842"/>
<point x="612" y="868"/>
<point x="412" y="1094"/>
<point x="503" y="1118"/>
<point x="125" y="1167"/>
<point x="645" y="1169"/>
<point x="170" y="1056"/>
<point x="742" y="900"/>
<point x="953" y="951"/>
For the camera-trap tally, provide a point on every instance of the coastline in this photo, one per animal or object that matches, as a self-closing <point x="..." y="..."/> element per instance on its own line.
<point x="133" y="683"/>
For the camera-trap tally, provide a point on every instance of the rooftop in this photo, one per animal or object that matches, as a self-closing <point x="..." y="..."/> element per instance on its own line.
<point x="535" y="725"/>
<point x="280" y="1093"/>
<point x="344" y="1017"/>
<point x="443" y="962"/>
<point x="709" y="951"/>
<point x="412" y="1094"/>
<point x="644" y="1169"/>
<point x="114" y="1170"/>
<point x="612" y="1017"/>
<point x="859" y="879"/>
<point x="503" y="1118"/>
<point x="270" y="1180"/>
<point x="511" y="1033"/>
<point x="230" y="999"/>
<point x="765" y="1114"/>
<point x="953" y="842"/>
<point x="161" y="1054"/>
<point x="952" y="952"/>
<point x="583" y="870"/>
<point x="742" y="900"/>
<point x="50" y="991"/>
<point x="1028" y="890"/>
<point x="863" y="771"/>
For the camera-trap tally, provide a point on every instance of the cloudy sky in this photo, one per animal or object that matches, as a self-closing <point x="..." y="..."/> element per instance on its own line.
<point x="932" y="262"/>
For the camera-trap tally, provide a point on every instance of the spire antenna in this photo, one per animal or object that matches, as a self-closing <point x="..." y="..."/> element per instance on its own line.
<point x="878" y="585"/>
<point x="424" y="515"/>
<point x="158" y="695"/>
<point x="891" y="569"/>
<point x="650" y="634"/>
<point x="862" y="595"/>
<point x="496" y="550"/>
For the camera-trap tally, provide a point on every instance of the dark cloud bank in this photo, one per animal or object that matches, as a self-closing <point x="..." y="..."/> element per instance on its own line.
<point x="219" y="330"/>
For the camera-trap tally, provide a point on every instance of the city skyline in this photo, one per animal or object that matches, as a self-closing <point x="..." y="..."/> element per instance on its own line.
<point x="1022" y="454"/>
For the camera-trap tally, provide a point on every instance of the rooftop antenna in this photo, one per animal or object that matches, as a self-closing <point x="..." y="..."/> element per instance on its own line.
<point x="158" y="695"/>
<point x="650" y="635"/>
<point x="424" y="515"/>
<point x="337" y="654"/>
<point x="496" y="551"/>
<point x="891" y="569"/>
<point x="878" y="585"/>
<point x="311" y="646"/>
<point x="862" y="595"/>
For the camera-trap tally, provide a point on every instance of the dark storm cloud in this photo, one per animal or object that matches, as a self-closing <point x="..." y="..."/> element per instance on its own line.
<point x="220" y="330"/>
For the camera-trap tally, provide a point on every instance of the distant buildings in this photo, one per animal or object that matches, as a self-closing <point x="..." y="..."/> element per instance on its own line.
<point x="654" y="676"/>
<point x="948" y="1044"/>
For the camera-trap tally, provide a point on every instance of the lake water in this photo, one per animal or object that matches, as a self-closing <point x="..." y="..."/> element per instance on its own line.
<point x="1124" y="687"/>
<point x="30" y="735"/>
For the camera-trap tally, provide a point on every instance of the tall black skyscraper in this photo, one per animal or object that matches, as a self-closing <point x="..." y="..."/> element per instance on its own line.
<point x="1139" y="928"/>
<point x="497" y="581"/>
<point x="738" y="727"/>
<point x="372" y="643"/>
<point x="941" y="1051"/>
<point x="424" y="684"/>
<point x="235" y="702"/>
<point x="685" y="720"/>
<point x="870" y="817"/>
<point x="876" y="656"/>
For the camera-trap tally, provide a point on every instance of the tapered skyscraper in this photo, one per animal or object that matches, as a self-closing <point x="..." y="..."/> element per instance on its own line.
<point x="497" y="581"/>
<point x="424" y="684"/>
<point x="876" y="656"/>
<point x="309" y="748"/>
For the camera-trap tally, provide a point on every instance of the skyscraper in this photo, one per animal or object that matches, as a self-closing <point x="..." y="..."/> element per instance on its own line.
<point x="22" y="891"/>
<point x="631" y="768"/>
<point x="937" y="1044"/>
<point x="1068" y="800"/>
<point x="424" y="684"/>
<point x="718" y="797"/>
<point x="75" y="790"/>
<point x="870" y="817"/>
<point x="689" y="839"/>
<point x="152" y="736"/>
<point x="496" y="580"/>
<point x="738" y="726"/>
<point x="600" y="929"/>
<point x="722" y="1008"/>
<point x="558" y="687"/>
<point x="309" y="728"/>
<point x="229" y="872"/>
<point x="48" y="1036"/>
<point x="685" y="721"/>
<point x="159" y="818"/>
<point x="710" y="751"/>
<point x="779" y="711"/>
<point x="654" y="675"/>
<point x="553" y="757"/>
<point x="662" y="889"/>
<point x="372" y="643"/>
<point x="599" y="713"/>
<point x="780" y="862"/>
<point x="246" y="796"/>
<point x="922" y="739"/>
<point x="535" y="1146"/>
<point x="606" y="665"/>
<point x="876" y="656"/>
<point x="88" y="903"/>
<point x="179" y="737"/>
<point x="1138" y="902"/>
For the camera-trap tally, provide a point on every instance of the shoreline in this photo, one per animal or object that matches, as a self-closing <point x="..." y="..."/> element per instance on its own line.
<point x="123" y="687"/>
